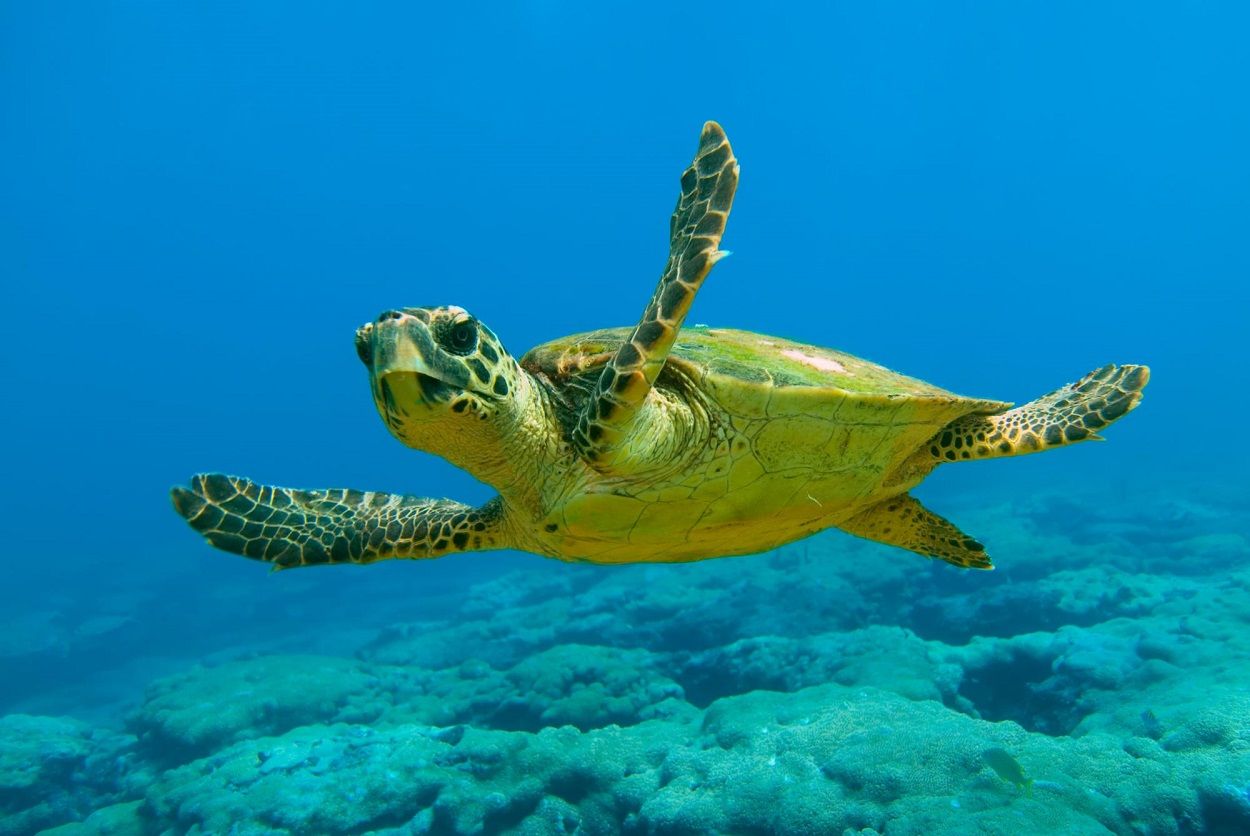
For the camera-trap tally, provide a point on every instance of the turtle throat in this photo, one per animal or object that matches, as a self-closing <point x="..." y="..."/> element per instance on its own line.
<point x="498" y="439"/>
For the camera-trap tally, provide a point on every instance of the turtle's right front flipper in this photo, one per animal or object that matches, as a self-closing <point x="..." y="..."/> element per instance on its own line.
<point x="695" y="230"/>
<point x="289" y="528"/>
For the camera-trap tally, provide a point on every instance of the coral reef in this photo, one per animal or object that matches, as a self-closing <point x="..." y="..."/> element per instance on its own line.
<point x="55" y="769"/>
<point x="831" y="687"/>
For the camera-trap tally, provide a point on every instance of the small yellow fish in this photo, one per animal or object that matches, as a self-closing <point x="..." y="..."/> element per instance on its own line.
<point x="1008" y="768"/>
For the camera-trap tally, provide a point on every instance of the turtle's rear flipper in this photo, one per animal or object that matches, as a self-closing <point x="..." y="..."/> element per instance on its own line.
<point x="1068" y="415"/>
<point x="902" y="521"/>
<point x="291" y="528"/>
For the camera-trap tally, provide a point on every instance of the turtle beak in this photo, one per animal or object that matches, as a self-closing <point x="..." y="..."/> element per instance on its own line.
<point x="401" y="355"/>
<point x="364" y="344"/>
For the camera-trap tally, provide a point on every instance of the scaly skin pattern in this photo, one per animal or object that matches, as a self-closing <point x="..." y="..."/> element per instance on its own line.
<point x="607" y="423"/>
<point x="1074" y="413"/>
<point x="305" y="528"/>
<point x="902" y="521"/>
<point x="650" y="444"/>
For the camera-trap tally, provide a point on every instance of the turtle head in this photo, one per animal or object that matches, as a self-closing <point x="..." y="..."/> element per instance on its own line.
<point x="441" y="380"/>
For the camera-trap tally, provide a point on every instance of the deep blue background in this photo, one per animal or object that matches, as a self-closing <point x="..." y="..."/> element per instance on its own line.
<point x="201" y="201"/>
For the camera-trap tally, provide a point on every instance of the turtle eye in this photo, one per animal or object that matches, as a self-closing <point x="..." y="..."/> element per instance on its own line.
<point x="461" y="337"/>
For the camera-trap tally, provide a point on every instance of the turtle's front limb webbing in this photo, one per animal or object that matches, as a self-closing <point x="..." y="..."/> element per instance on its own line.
<point x="288" y="528"/>
<point x="707" y="191"/>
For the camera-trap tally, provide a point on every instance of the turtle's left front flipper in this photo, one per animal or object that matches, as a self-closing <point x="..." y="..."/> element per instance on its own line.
<point x="902" y="521"/>
<point x="289" y="528"/>
<point x="698" y="222"/>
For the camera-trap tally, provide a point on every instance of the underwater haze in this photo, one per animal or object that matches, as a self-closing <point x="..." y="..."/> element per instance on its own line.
<point x="202" y="202"/>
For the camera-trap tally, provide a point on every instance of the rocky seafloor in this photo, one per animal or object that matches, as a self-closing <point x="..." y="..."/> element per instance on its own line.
<point x="833" y="686"/>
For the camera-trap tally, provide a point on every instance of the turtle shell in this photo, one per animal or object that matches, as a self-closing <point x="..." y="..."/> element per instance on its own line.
<point x="797" y="406"/>
<point x="756" y="375"/>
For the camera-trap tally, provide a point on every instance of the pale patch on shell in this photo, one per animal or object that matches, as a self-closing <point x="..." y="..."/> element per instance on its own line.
<point x="825" y="364"/>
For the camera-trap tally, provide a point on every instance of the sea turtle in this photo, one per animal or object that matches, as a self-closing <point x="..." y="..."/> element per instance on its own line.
<point x="651" y="443"/>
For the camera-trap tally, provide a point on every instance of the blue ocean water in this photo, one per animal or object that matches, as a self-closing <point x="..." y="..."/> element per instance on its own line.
<point x="203" y="201"/>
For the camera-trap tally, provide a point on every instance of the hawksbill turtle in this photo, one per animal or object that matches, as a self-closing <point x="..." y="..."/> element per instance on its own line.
<point x="653" y="443"/>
